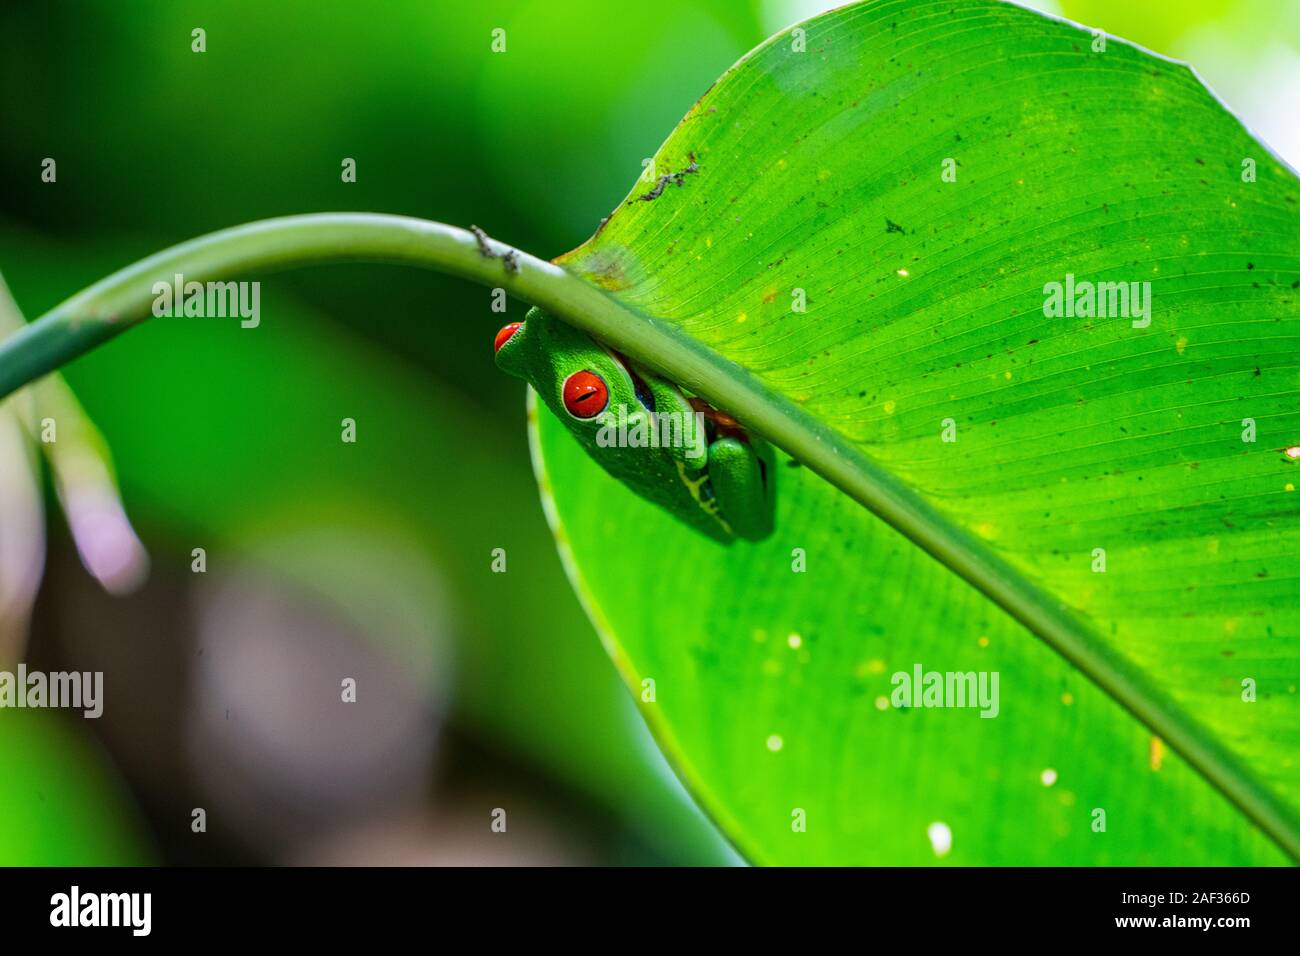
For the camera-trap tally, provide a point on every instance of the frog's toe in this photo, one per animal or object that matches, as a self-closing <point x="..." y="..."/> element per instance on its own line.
<point x="737" y="475"/>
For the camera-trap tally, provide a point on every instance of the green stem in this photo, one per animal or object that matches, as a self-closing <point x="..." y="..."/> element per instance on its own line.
<point x="124" y="298"/>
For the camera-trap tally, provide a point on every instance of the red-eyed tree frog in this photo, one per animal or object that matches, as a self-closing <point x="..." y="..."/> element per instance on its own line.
<point x="671" y="448"/>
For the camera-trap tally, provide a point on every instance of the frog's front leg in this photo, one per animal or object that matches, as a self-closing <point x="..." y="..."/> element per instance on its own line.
<point x="743" y="478"/>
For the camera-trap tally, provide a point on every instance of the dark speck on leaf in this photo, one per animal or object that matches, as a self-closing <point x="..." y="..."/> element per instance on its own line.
<point x="662" y="182"/>
<point x="1250" y="265"/>
<point x="892" y="226"/>
<point x="794" y="463"/>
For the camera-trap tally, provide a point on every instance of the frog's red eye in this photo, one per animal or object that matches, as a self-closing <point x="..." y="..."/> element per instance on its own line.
<point x="585" y="394"/>
<point x="506" y="332"/>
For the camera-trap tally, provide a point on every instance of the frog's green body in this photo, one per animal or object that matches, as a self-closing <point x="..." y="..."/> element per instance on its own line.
<point x="670" y="449"/>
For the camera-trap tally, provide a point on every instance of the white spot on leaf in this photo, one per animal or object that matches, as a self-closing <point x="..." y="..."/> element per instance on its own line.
<point x="940" y="838"/>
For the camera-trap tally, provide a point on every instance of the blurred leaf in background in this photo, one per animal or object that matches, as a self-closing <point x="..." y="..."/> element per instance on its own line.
<point x="61" y="804"/>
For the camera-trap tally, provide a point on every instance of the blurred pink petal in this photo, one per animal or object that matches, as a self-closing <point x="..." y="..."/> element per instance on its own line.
<point x="108" y="545"/>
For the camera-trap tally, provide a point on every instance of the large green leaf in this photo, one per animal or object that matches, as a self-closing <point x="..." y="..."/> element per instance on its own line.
<point x="819" y="170"/>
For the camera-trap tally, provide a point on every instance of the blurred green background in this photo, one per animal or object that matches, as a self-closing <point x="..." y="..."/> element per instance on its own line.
<point x="476" y="690"/>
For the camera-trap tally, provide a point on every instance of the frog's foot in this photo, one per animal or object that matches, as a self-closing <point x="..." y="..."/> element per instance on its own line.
<point x="700" y="485"/>
<point x="741" y="476"/>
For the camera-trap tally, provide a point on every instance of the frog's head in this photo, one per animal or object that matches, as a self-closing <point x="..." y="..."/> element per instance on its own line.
<point x="606" y="402"/>
<point x="581" y="381"/>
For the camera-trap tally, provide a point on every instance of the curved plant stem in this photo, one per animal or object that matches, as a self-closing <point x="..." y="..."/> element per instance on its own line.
<point x="125" y="298"/>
